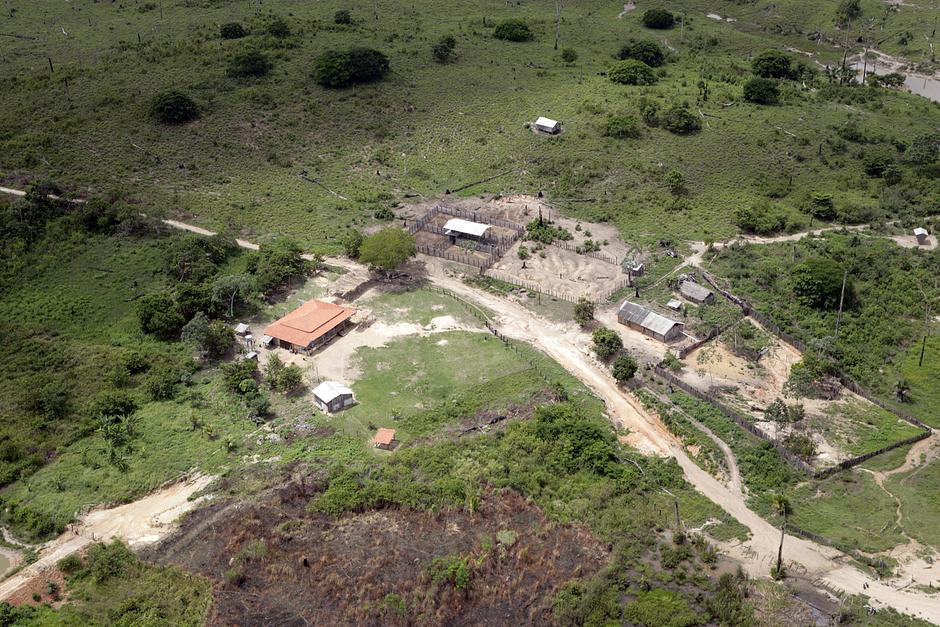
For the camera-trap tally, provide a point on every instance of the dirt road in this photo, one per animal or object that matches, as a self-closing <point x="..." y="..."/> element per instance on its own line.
<point x="140" y="523"/>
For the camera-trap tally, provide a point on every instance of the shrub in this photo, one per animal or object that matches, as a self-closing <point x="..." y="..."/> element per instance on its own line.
<point x="341" y="68"/>
<point x="821" y="206"/>
<point x="679" y="120"/>
<point x="513" y="30"/>
<point x="760" y="217"/>
<point x="624" y="368"/>
<point x="443" y="50"/>
<point x="253" y="63"/>
<point x="545" y="231"/>
<point x="772" y="64"/>
<point x="343" y="16"/>
<point x="159" y="315"/>
<point x="70" y="564"/>
<point x="631" y="72"/>
<point x="877" y="160"/>
<point x="173" y="107"/>
<point x="659" y="19"/>
<point x="801" y="445"/>
<point x="278" y="28"/>
<point x="351" y="244"/>
<point x="451" y="569"/>
<point x="109" y="560"/>
<point x="569" y="55"/>
<point x="762" y="91"/>
<point x="161" y="383"/>
<point x="622" y="127"/>
<point x="649" y="52"/>
<point x="606" y="342"/>
<point x="232" y="30"/>
<point x="584" y="311"/>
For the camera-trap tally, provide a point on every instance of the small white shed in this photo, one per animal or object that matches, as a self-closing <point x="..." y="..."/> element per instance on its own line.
<point x="921" y="234"/>
<point x="548" y="125"/>
<point x="241" y="329"/>
<point x="332" y="397"/>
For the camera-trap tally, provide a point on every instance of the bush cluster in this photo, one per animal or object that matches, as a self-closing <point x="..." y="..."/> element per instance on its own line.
<point x="659" y="19"/>
<point x="173" y="107"/>
<point x="649" y="52"/>
<point x="631" y="72"/>
<point x="341" y="68"/>
<point x="513" y="30"/>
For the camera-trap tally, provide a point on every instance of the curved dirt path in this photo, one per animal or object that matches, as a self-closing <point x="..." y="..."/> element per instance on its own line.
<point x="140" y="523"/>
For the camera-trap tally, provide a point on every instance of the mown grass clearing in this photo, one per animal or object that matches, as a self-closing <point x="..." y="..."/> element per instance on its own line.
<point x="859" y="427"/>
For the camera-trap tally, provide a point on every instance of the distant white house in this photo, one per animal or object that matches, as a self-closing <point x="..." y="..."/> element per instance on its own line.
<point x="332" y="396"/>
<point x="548" y="125"/>
<point x="921" y="234"/>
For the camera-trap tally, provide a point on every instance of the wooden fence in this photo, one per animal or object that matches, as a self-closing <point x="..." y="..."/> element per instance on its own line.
<point x="843" y="378"/>
<point x="602" y="256"/>
<point x="469" y="260"/>
<point x="685" y="350"/>
<point x="531" y="286"/>
<point x="738" y="419"/>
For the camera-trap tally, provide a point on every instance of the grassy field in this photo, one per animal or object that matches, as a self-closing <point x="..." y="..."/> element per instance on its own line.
<point x="925" y="393"/>
<point x="920" y="505"/>
<point x="427" y="128"/>
<point x="858" y="427"/>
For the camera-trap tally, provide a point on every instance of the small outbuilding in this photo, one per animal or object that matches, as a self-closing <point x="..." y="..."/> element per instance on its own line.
<point x="455" y="229"/>
<point x="921" y="234"/>
<point x="635" y="268"/>
<point x="649" y="322"/>
<point x="332" y="397"/>
<point x="696" y="293"/>
<point x="548" y="125"/>
<point x="242" y="329"/>
<point x="384" y="439"/>
<point x="674" y="304"/>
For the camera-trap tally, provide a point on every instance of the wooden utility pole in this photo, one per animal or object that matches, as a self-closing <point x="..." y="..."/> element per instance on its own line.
<point x="845" y="277"/>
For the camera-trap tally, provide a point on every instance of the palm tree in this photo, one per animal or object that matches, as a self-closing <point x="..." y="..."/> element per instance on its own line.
<point x="901" y="389"/>
<point x="781" y="506"/>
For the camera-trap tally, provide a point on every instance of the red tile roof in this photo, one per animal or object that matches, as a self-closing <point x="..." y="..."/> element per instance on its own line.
<point x="308" y="322"/>
<point x="384" y="437"/>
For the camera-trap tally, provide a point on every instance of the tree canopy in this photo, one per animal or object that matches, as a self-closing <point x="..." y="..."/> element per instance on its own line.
<point x="631" y="72"/>
<point x="659" y="19"/>
<point x="772" y="64"/>
<point x="173" y="107"/>
<point x="649" y="52"/>
<point x="817" y="283"/>
<point x="387" y="249"/>
<point x="762" y="91"/>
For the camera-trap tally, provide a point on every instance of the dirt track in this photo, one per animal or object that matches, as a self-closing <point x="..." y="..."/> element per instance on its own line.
<point x="140" y="523"/>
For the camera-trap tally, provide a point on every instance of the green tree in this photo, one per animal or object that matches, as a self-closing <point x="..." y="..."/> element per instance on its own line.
<point x="659" y="19"/>
<point x="624" y="368"/>
<point x="233" y="292"/>
<point x="817" y="283"/>
<point x="649" y="52"/>
<point x="285" y="378"/>
<point x="513" y="30"/>
<point x="631" y="72"/>
<point x="924" y="149"/>
<point x="821" y="206"/>
<point x="847" y="12"/>
<point x="762" y="91"/>
<point x="341" y="68"/>
<point x="250" y="64"/>
<point x="387" y="249"/>
<point x="877" y="160"/>
<point x="569" y="55"/>
<point x="232" y="30"/>
<point x="343" y="16"/>
<point x="772" y="64"/>
<point x="584" y="311"/>
<point x="173" y="107"/>
<point x="159" y="315"/>
<point x="276" y="263"/>
<point x="607" y="342"/>
<point x="112" y="403"/>
<point x="782" y="508"/>
<point x="211" y="338"/>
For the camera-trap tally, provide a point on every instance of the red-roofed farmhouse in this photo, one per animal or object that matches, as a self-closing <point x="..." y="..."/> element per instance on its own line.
<point x="311" y="325"/>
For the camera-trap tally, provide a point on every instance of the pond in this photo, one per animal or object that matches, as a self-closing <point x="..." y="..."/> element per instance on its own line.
<point x="920" y="84"/>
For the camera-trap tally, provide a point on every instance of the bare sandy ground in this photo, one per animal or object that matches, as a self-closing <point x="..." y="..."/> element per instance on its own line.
<point x="909" y="241"/>
<point x="140" y="523"/>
